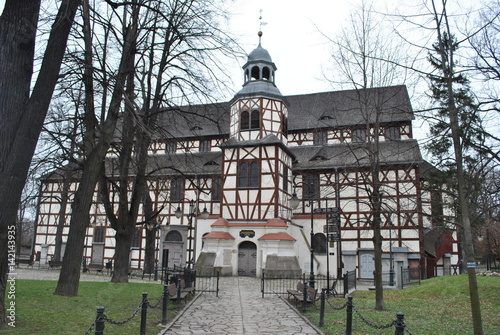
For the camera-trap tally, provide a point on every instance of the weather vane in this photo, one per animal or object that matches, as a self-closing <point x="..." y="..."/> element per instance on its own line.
<point x="261" y="23"/>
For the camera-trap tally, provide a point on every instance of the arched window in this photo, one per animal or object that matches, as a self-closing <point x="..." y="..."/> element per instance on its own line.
<point x="319" y="244"/>
<point x="173" y="236"/>
<point x="266" y="73"/>
<point x="247" y="78"/>
<point x="248" y="175"/>
<point x="250" y="120"/>
<point x="255" y="120"/>
<point x="255" y="73"/>
<point x="245" y="120"/>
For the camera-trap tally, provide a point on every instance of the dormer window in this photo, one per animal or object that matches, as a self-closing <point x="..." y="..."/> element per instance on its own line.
<point x="319" y="158"/>
<point x="250" y="120"/>
<point x="325" y="117"/>
<point x="196" y="128"/>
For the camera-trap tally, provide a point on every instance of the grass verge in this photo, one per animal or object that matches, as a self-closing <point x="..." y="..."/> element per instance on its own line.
<point x="438" y="306"/>
<point x="40" y="311"/>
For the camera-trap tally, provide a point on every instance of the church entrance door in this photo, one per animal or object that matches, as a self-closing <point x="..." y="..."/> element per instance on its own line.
<point x="247" y="259"/>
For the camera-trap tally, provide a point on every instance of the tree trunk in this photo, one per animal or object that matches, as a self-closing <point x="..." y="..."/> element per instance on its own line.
<point x="69" y="277"/>
<point x="22" y="116"/>
<point x="62" y="216"/>
<point x="122" y="255"/>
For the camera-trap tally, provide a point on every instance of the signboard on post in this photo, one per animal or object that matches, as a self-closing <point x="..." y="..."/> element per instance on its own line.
<point x="333" y="224"/>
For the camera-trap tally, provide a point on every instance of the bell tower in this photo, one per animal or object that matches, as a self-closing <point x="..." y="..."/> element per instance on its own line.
<point x="253" y="234"/>
<point x="256" y="162"/>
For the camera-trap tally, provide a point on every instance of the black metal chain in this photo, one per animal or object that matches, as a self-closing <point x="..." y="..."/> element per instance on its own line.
<point x="157" y="302"/>
<point x="127" y="320"/>
<point x="371" y="324"/>
<point x="406" y="329"/>
<point x="337" y="308"/>
<point x="90" y="328"/>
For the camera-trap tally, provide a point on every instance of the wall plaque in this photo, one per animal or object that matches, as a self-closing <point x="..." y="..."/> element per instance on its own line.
<point x="247" y="233"/>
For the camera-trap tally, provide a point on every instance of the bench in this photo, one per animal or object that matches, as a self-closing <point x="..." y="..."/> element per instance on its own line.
<point x="55" y="264"/>
<point x="27" y="261"/>
<point x="333" y="290"/>
<point x="302" y="292"/>
<point x="186" y="289"/>
<point x="175" y="293"/>
<point x="96" y="267"/>
<point x="298" y="291"/>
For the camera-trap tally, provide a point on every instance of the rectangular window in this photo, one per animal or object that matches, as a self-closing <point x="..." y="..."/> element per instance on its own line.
<point x="99" y="234"/>
<point x="136" y="240"/>
<point x="359" y="135"/>
<point x="248" y="175"/>
<point x="310" y="188"/>
<point x="285" y="180"/>
<point x="320" y="137"/>
<point x="392" y="133"/>
<point x="204" y="145"/>
<point x="216" y="191"/>
<point x="171" y="147"/>
<point x="177" y="190"/>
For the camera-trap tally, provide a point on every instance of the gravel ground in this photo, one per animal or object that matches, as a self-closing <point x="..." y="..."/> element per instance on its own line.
<point x="53" y="274"/>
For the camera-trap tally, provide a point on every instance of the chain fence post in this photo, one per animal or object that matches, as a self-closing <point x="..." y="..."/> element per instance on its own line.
<point x="400" y="324"/>
<point x="164" y="307"/>
<point x="322" y="309"/>
<point x="144" y="312"/>
<point x="99" y="321"/>
<point x="348" y="329"/>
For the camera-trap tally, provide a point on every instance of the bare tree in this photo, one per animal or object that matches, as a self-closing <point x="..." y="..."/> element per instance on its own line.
<point x="22" y="108"/>
<point x="176" y="63"/>
<point x="364" y="57"/>
<point x="97" y="140"/>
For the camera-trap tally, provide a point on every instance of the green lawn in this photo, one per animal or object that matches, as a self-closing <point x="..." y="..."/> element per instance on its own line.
<point x="39" y="311"/>
<point x="438" y="306"/>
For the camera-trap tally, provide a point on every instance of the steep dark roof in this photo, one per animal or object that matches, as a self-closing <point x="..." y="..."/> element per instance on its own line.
<point x="346" y="108"/>
<point x="308" y="111"/>
<point x="351" y="155"/>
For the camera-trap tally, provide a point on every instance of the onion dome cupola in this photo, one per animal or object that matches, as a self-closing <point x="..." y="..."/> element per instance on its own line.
<point x="259" y="76"/>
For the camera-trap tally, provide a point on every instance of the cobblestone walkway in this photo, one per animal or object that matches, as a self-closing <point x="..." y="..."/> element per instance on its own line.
<point x="240" y="309"/>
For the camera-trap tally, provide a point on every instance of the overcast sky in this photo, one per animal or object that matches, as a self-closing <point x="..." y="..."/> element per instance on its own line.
<point x="292" y="37"/>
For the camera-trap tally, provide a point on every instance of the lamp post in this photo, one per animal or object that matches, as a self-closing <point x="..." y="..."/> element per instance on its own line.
<point x="193" y="213"/>
<point x="294" y="203"/>
<point x="391" y="263"/>
<point x="155" y="226"/>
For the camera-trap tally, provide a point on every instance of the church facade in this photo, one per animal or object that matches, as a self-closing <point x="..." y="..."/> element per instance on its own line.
<point x="277" y="184"/>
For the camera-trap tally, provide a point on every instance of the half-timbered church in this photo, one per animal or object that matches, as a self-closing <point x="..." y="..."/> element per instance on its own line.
<point x="277" y="184"/>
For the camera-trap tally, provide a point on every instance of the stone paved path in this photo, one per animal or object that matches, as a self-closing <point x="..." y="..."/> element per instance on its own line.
<point x="240" y="309"/>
